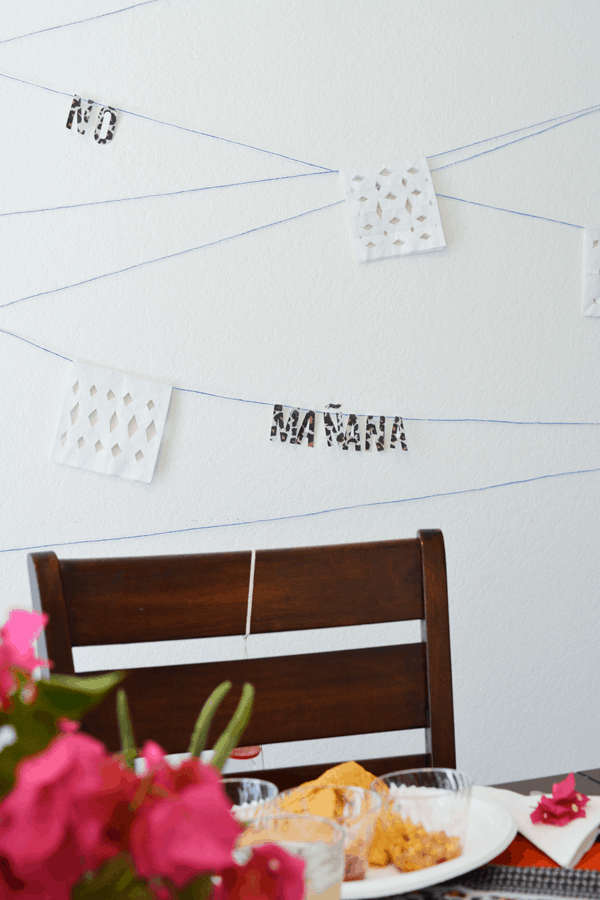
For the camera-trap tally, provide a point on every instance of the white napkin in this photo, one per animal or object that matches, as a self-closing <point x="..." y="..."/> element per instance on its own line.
<point x="564" y="844"/>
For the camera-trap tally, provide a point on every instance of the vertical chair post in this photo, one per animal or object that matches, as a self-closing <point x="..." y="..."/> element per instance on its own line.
<point x="435" y="631"/>
<point x="44" y="575"/>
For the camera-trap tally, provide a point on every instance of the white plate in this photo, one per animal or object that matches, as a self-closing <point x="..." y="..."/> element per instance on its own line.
<point x="490" y="830"/>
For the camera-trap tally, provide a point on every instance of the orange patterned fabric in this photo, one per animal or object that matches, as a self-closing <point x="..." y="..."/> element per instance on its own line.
<point x="523" y="853"/>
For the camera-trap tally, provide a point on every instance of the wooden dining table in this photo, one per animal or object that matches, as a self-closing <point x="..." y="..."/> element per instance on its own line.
<point x="521" y="852"/>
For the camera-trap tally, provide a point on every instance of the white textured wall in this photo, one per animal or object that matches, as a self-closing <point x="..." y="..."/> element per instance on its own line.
<point x="489" y="328"/>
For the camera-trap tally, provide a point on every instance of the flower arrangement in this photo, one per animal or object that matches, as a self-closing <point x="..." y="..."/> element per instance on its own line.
<point x="76" y="822"/>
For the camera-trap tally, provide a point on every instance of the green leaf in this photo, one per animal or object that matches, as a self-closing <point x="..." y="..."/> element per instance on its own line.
<point x="75" y="695"/>
<point x="204" y="720"/>
<point x="35" y="723"/>
<point x="230" y="737"/>
<point x="115" y="879"/>
<point x="125" y="729"/>
<point x="199" y="889"/>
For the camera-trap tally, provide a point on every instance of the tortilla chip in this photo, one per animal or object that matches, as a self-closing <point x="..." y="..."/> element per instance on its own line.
<point x="348" y="774"/>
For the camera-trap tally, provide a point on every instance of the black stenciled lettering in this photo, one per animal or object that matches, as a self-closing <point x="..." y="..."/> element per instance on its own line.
<point x="83" y="113"/>
<point x="398" y="436"/>
<point x="352" y="435"/>
<point x="110" y="130"/>
<point x="372" y="432"/>
<point x="334" y="425"/>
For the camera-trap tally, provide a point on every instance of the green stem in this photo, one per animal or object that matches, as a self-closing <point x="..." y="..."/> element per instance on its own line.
<point x="125" y="729"/>
<point x="230" y="737"/>
<point x="198" y="890"/>
<point x="204" y="720"/>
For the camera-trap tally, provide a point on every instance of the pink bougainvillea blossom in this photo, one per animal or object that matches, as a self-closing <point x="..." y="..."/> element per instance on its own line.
<point x="565" y="804"/>
<point x="17" y="653"/>
<point x="153" y="755"/>
<point x="271" y="873"/>
<point x="18" y="634"/>
<point x="68" y="726"/>
<point x="68" y="812"/>
<point x="41" y="886"/>
<point x="184" y="826"/>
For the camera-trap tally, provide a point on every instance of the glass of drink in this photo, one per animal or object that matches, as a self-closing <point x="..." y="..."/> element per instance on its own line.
<point x="355" y="808"/>
<point x="319" y="842"/>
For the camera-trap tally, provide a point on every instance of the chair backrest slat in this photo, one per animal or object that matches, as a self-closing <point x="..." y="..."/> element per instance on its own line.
<point x="321" y="694"/>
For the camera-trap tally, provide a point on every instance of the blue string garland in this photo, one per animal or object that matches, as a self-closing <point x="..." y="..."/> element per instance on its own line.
<point x="318" y="411"/>
<point x="515" y="212"/>
<point x="210" y="187"/>
<point x="33" y="344"/>
<point x="78" y="22"/>
<point x="148" y="262"/>
<point x="318" y="512"/>
<point x="560" y="119"/>
<point x="517" y="140"/>
<point x="496" y="137"/>
<point x="250" y="231"/>
<point x="214" y="137"/>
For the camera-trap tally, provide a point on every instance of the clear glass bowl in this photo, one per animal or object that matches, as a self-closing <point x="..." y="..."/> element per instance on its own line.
<point x="424" y="814"/>
<point x="249" y="796"/>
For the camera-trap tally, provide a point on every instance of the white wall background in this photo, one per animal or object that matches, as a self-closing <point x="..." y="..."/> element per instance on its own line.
<point x="489" y="328"/>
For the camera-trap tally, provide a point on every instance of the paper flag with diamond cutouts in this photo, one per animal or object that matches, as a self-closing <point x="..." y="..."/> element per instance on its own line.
<point x="111" y="423"/>
<point x="393" y="210"/>
<point x="591" y="272"/>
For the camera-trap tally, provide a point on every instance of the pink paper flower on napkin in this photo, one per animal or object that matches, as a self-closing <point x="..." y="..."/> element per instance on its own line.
<point x="565" y="804"/>
<point x="16" y="651"/>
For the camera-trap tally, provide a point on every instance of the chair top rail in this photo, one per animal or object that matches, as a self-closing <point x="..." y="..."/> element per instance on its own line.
<point x="115" y="601"/>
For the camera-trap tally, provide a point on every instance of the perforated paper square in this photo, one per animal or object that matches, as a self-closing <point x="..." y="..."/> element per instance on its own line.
<point x="393" y="210"/>
<point x="111" y="423"/>
<point x="591" y="272"/>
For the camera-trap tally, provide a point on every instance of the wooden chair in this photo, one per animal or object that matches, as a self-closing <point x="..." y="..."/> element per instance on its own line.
<point x="315" y="695"/>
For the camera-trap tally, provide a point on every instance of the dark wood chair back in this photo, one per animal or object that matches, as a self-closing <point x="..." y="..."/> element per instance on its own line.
<point x="315" y="695"/>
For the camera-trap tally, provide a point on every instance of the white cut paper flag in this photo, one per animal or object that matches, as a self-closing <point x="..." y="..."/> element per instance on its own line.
<point x="111" y="423"/>
<point x="591" y="272"/>
<point x="393" y="209"/>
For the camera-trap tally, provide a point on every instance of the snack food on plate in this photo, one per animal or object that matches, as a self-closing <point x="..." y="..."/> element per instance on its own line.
<point x="349" y="774"/>
<point x="409" y="847"/>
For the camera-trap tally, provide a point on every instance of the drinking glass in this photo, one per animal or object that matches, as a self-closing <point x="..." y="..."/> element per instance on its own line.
<point x="249" y="796"/>
<point x="319" y="842"/>
<point x="355" y="808"/>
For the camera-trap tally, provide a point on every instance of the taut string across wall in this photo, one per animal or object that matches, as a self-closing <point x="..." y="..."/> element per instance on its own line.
<point x="307" y="515"/>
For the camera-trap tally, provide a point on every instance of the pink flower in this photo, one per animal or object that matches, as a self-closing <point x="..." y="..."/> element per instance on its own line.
<point x="68" y="726"/>
<point x="184" y="826"/>
<point x="16" y="651"/>
<point x="154" y="755"/>
<point x="68" y="812"/>
<point x="42" y="887"/>
<point x="271" y="873"/>
<point x="565" y="804"/>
